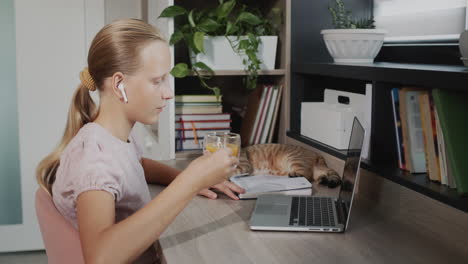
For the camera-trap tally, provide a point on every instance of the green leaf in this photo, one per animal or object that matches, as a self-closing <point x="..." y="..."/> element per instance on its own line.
<point x="244" y="44"/>
<point x="216" y="91"/>
<point x="176" y="37"/>
<point x="226" y="8"/>
<point x="173" y="11"/>
<point x="249" y="18"/>
<point x="203" y="66"/>
<point x="198" y="41"/>
<point x="180" y="70"/>
<point x="208" y="25"/>
<point x="190" y="18"/>
<point x="228" y="28"/>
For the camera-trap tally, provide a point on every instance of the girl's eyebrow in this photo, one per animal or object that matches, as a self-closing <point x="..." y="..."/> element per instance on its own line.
<point x="159" y="77"/>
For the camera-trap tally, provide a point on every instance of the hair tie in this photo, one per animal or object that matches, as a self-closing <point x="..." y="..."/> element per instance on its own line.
<point x="87" y="80"/>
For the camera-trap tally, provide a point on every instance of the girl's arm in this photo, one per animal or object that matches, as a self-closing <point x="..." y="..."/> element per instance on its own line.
<point x="158" y="173"/>
<point x="104" y="241"/>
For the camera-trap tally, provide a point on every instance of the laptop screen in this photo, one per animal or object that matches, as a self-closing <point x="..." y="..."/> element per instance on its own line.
<point x="351" y="168"/>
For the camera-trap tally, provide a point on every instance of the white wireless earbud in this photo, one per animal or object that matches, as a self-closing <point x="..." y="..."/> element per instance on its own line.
<point x="121" y="88"/>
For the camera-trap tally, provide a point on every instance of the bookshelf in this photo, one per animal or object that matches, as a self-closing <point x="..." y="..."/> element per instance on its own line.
<point x="235" y="96"/>
<point x="312" y="72"/>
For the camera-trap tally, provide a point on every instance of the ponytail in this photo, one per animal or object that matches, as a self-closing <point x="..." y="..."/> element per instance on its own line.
<point x="115" y="48"/>
<point x="82" y="111"/>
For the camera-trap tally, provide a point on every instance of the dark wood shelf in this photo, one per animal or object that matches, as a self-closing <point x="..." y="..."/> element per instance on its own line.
<point x="419" y="183"/>
<point x="341" y="154"/>
<point x="416" y="182"/>
<point x="439" y="76"/>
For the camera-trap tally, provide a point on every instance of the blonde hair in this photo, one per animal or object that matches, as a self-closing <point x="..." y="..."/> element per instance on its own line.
<point x="115" y="48"/>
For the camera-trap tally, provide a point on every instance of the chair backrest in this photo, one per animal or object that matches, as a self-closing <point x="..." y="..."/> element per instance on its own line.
<point x="61" y="239"/>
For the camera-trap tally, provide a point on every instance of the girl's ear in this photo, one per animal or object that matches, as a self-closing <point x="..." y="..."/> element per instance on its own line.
<point x="117" y="78"/>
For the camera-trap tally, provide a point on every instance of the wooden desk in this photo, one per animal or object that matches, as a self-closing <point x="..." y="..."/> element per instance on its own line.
<point x="216" y="231"/>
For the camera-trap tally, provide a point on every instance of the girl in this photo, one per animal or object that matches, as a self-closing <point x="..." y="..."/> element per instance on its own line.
<point x="97" y="177"/>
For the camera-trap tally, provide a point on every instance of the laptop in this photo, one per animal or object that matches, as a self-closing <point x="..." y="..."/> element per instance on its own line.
<point x="278" y="212"/>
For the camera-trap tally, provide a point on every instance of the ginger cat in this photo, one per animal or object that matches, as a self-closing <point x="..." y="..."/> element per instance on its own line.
<point x="280" y="159"/>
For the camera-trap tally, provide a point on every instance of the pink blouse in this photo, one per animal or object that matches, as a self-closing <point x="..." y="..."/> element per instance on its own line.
<point x="96" y="160"/>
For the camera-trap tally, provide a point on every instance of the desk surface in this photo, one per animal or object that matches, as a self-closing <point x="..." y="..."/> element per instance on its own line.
<point x="216" y="231"/>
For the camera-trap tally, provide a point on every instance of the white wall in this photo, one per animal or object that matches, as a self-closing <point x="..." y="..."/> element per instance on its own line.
<point x="51" y="45"/>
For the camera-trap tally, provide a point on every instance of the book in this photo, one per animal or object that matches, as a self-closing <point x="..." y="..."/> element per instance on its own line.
<point x="264" y="110"/>
<point x="198" y="109"/>
<point x="188" y="144"/>
<point x="398" y="129"/>
<point x="429" y="137"/>
<point x="197" y="98"/>
<point x="248" y="123"/>
<point x="275" y="115"/>
<point x="199" y="132"/>
<point x="255" y="123"/>
<point x="196" y="124"/>
<point x="261" y="184"/>
<point x="269" y="116"/>
<point x="412" y="135"/>
<point x="451" y="108"/>
<point x="193" y="117"/>
<point x="196" y="104"/>
<point x="443" y="153"/>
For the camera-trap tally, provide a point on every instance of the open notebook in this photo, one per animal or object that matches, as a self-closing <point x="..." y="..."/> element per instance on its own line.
<point x="260" y="184"/>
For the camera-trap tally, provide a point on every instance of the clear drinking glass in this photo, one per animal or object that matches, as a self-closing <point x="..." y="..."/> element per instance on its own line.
<point x="218" y="140"/>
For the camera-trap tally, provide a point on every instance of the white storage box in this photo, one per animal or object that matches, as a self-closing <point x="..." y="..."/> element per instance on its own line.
<point x="330" y="122"/>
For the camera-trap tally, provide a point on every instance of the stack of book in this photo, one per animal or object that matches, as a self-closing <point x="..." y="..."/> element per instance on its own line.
<point x="263" y="104"/>
<point x="431" y="134"/>
<point x="197" y="115"/>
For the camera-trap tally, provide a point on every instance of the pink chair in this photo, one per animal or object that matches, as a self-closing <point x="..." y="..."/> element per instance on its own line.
<point x="61" y="239"/>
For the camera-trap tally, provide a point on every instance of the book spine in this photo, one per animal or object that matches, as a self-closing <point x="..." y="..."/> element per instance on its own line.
<point x="398" y="132"/>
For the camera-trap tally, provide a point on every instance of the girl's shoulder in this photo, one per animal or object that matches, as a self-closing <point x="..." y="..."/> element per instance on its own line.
<point x="88" y="139"/>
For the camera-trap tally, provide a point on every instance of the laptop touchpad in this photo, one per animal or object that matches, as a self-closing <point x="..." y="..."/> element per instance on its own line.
<point x="272" y="209"/>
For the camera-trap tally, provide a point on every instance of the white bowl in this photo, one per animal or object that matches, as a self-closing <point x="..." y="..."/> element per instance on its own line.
<point x="353" y="45"/>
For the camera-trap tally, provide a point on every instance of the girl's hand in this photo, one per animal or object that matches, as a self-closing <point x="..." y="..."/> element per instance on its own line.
<point x="209" y="170"/>
<point x="225" y="187"/>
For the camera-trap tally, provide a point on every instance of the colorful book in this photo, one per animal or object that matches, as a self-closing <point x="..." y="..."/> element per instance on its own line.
<point x="451" y="108"/>
<point x="197" y="124"/>
<point x="398" y="129"/>
<point x="429" y="136"/>
<point x="248" y="123"/>
<point x="188" y="144"/>
<point x="192" y="117"/>
<point x="261" y="121"/>
<point x="196" y="104"/>
<point x="275" y="115"/>
<point x="269" y="115"/>
<point x="198" y="109"/>
<point x="198" y="98"/>
<point x="264" y="91"/>
<point x="443" y="153"/>
<point x="404" y="129"/>
<point x="198" y="133"/>
<point x="414" y="142"/>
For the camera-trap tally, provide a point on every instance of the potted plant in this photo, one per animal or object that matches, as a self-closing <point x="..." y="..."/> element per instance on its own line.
<point x="352" y="40"/>
<point x="225" y="37"/>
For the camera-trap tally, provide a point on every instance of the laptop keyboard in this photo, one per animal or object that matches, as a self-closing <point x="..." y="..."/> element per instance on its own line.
<point x="312" y="211"/>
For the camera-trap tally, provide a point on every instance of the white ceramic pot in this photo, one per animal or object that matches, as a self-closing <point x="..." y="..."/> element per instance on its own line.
<point x="219" y="54"/>
<point x="353" y="45"/>
<point x="463" y="46"/>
